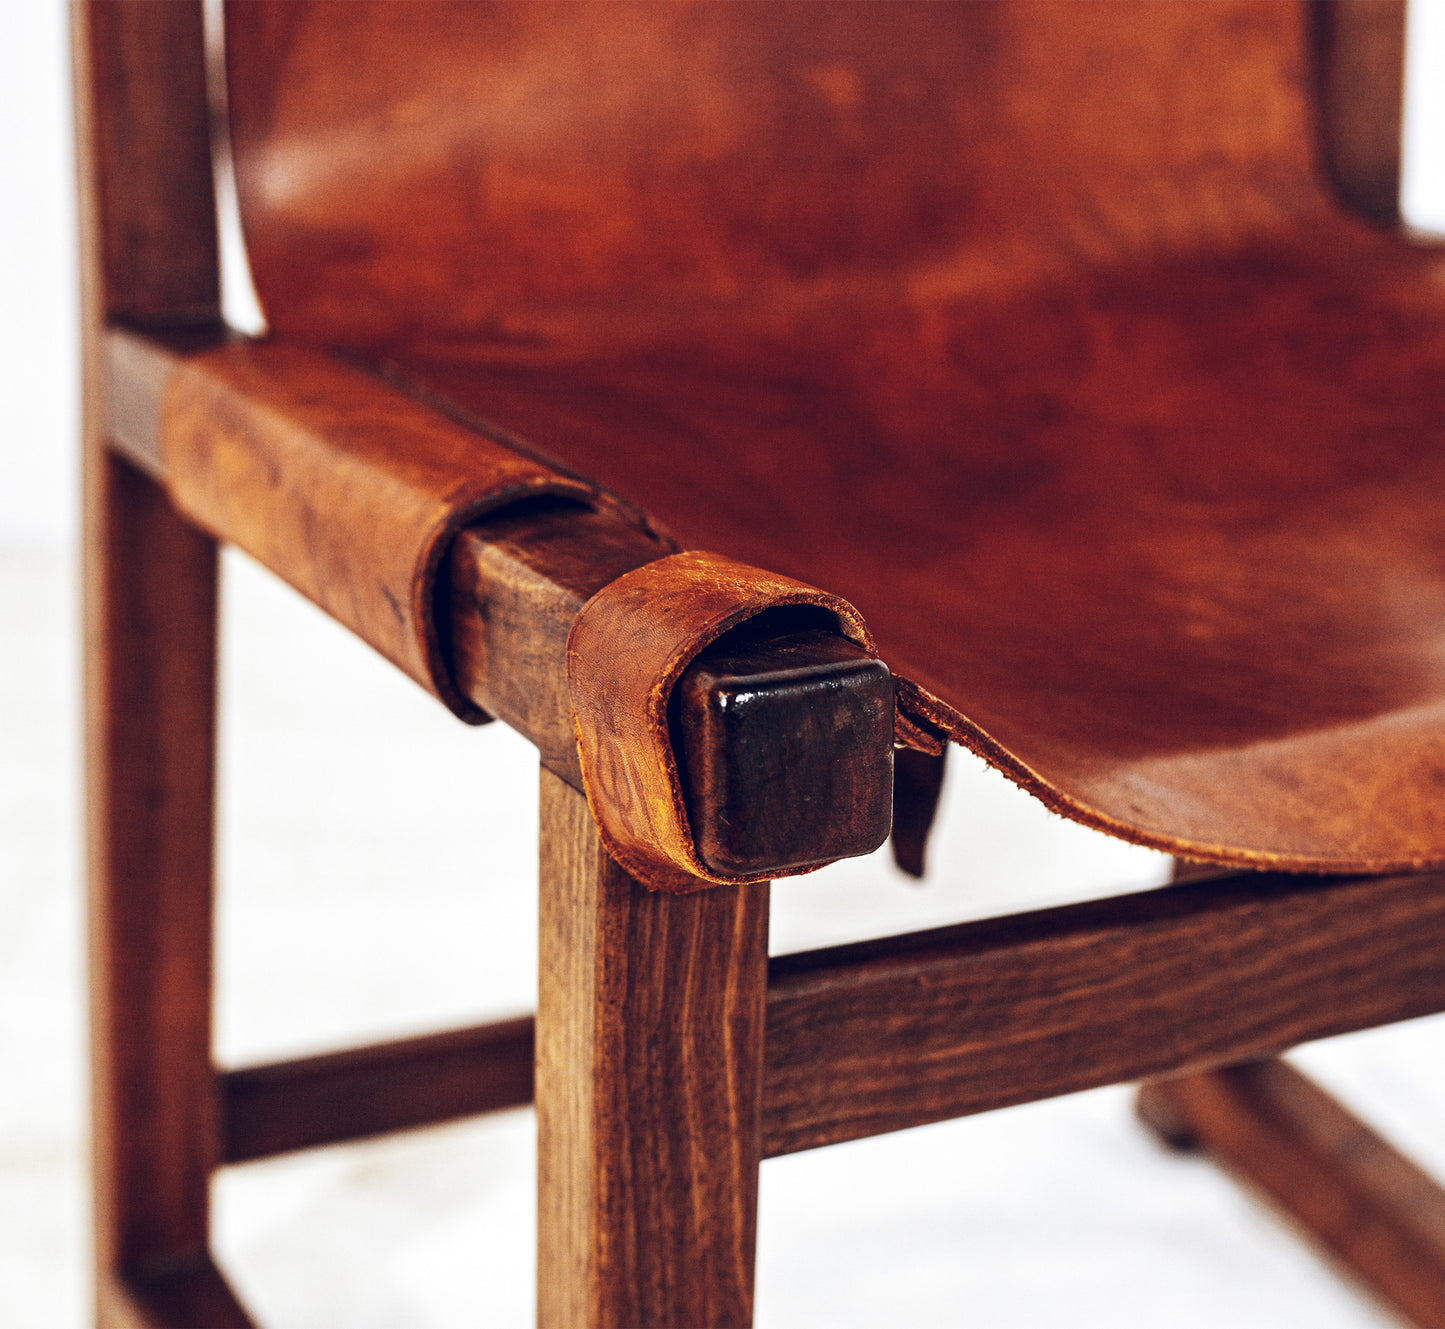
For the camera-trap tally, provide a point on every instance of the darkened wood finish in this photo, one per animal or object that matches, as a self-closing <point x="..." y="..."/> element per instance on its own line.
<point x="626" y="655"/>
<point x="1361" y="52"/>
<point x="973" y="314"/>
<point x="1079" y="973"/>
<point x="1371" y="1208"/>
<point x="917" y="783"/>
<point x="348" y="1095"/>
<point x="191" y="1294"/>
<point x="148" y="251"/>
<point x="649" y="1030"/>
<point x="788" y="746"/>
<point x="145" y="162"/>
<point x="906" y="1030"/>
<point x="152" y="660"/>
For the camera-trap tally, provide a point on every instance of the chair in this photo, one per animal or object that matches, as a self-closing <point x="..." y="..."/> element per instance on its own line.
<point x="1037" y="352"/>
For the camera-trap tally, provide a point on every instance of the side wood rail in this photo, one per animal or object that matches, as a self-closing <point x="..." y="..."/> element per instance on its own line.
<point x="865" y="1039"/>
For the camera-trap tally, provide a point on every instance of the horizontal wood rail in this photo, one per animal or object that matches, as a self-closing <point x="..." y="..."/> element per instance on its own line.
<point x="889" y="1034"/>
<point x="518" y="579"/>
<point x="907" y="1030"/>
<point x="366" y="1091"/>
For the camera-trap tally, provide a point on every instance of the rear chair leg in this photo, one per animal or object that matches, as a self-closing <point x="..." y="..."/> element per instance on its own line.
<point x="649" y="1042"/>
<point x="1371" y="1208"/>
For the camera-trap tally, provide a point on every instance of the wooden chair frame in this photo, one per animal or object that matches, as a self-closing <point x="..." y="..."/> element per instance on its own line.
<point x="649" y="1148"/>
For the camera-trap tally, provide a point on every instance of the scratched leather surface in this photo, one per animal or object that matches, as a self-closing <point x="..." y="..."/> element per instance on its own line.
<point x="1028" y="329"/>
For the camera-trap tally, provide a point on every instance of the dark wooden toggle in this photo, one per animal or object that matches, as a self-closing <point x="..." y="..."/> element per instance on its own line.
<point x="784" y="744"/>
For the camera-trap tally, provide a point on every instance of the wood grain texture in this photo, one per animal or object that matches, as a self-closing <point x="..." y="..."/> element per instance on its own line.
<point x="366" y="1091"/>
<point x="894" y="1033"/>
<point x="151" y="720"/>
<point x="1380" y="1216"/>
<point x="649" y="1029"/>
<point x="518" y="582"/>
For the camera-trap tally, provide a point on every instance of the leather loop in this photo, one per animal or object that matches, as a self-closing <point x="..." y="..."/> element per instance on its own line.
<point x="342" y="485"/>
<point x="630" y="644"/>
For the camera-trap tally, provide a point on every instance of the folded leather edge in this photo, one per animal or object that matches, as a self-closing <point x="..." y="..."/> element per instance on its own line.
<point x="345" y="488"/>
<point x="630" y="644"/>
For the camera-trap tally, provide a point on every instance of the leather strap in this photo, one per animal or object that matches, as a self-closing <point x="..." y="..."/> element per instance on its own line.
<point x="630" y="644"/>
<point x="342" y="485"/>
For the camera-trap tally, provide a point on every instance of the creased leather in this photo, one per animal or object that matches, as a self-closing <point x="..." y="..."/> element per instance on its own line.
<point x="340" y="484"/>
<point x="629" y="646"/>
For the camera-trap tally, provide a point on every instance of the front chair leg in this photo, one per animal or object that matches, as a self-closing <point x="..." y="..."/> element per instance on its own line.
<point x="649" y="1053"/>
<point x="151" y="623"/>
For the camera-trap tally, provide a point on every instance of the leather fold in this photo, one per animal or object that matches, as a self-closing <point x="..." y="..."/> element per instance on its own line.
<point x="343" y="486"/>
<point x="630" y="644"/>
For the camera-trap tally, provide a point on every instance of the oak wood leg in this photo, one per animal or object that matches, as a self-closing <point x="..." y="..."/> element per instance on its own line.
<point x="150" y="719"/>
<point x="649" y="1041"/>
<point x="1376" y="1212"/>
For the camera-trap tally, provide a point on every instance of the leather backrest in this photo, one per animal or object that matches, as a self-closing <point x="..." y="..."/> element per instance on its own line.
<point x="434" y="169"/>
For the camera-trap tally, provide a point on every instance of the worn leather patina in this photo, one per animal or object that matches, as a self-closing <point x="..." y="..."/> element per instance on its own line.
<point x="628" y="648"/>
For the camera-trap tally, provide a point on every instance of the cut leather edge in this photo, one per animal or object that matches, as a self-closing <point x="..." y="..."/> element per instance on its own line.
<point x="630" y="644"/>
<point x="935" y="715"/>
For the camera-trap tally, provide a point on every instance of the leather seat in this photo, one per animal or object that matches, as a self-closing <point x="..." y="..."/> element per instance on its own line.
<point x="1027" y="328"/>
